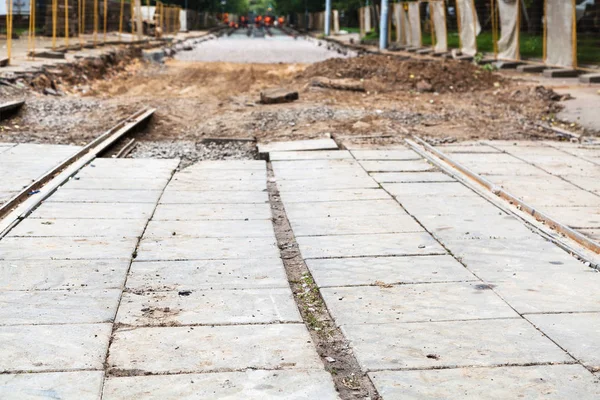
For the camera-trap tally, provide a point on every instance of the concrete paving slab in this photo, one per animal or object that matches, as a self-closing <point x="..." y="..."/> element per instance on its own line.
<point x="398" y="154"/>
<point x="116" y="184"/>
<point x="381" y="244"/>
<point x="228" y="164"/>
<point x="327" y="184"/>
<point x="576" y="333"/>
<point x="58" y="307"/>
<point x="496" y="158"/>
<point x="183" y="248"/>
<point x="552" y="382"/>
<point x="177" y="212"/>
<point x="333" y="195"/>
<point x="36" y="348"/>
<point x="155" y="164"/>
<point x="588" y="183"/>
<point x="560" y="198"/>
<point x="397" y="166"/>
<point x="414" y="303"/>
<point x="313" y="155"/>
<point x="360" y="224"/>
<point x="219" y="186"/>
<point x="400" y="177"/>
<point x="591" y="233"/>
<point x="349" y="172"/>
<point x="589" y="78"/>
<point x="560" y="73"/>
<point x="94" y="211"/>
<point x="246" y="306"/>
<point x="80" y="227"/>
<point x="203" y="275"/>
<point x="387" y="270"/>
<point x="478" y="148"/>
<point x="249" y="385"/>
<point x="66" y="248"/>
<point x="214" y="197"/>
<point x="471" y="227"/>
<point x="441" y="205"/>
<point x="82" y="385"/>
<point x="492" y="342"/>
<point x="64" y="195"/>
<point x="575" y="217"/>
<point x="446" y="189"/>
<point x="118" y="171"/>
<point x="62" y="274"/>
<point x="297" y="211"/>
<point x="516" y="169"/>
<point x="297" y="145"/>
<point x="313" y="167"/>
<point x="213" y="349"/>
<point x="198" y="176"/>
<point x="238" y="228"/>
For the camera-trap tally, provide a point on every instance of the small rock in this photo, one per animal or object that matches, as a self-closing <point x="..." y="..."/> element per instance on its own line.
<point x="278" y="95"/>
<point x="424" y="86"/>
<point x="330" y="359"/>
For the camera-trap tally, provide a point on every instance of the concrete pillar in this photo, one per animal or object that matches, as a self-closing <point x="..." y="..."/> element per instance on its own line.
<point x="383" y="25"/>
<point x="327" y="17"/>
<point x="336" y="22"/>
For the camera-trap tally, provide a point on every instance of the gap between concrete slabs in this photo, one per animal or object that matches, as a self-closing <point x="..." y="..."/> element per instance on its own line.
<point x="331" y="344"/>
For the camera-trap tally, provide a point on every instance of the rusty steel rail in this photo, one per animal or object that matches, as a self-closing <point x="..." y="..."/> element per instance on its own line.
<point x="24" y="202"/>
<point x="503" y="194"/>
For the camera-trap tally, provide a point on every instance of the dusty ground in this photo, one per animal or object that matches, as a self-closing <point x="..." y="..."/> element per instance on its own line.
<point x="196" y="100"/>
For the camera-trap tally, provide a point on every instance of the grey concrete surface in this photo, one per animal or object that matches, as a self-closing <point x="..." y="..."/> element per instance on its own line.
<point x="197" y="176"/>
<point x="91" y="227"/>
<point x="187" y="212"/>
<point x="297" y="145"/>
<point x="186" y="248"/>
<point x="116" y="184"/>
<point x="327" y="184"/>
<point x="66" y="248"/>
<point x="493" y="342"/>
<point x="65" y="195"/>
<point x="400" y="177"/>
<point x="207" y="274"/>
<point x="251" y="385"/>
<point x="244" y="306"/>
<point x="216" y="185"/>
<point x="333" y="195"/>
<point x="313" y="155"/>
<point x="214" y="197"/>
<point x="396" y="154"/>
<point x="397" y="166"/>
<point x="361" y="224"/>
<point x="213" y="349"/>
<point x="387" y="270"/>
<point x="83" y="385"/>
<point x="552" y="382"/>
<point x="299" y="211"/>
<point x="211" y="228"/>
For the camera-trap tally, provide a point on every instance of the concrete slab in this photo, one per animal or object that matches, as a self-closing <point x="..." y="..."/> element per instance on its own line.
<point x="493" y="342"/>
<point x="37" y="348"/>
<point x="516" y="169"/>
<point x="478" y="148"/>
<point x="473" y="227"/>
<point x="238" y="228"/>
<point x="177" y="212"/>
<point x="360" y="224"/>
<point x="228" y="164"/>
<point x="66" y="248"/>
<point x="118" y="171"/>
<point x="80" y="227"/>
<point x="576" y="333"/>
<point x="589" y="78"/>
<point x="552" y="382"/>
<point x="212" y="197"/>
<point x="313" y="155"/>
<point x="398" y="154"/>
<point x="397" y="166"/>
<point x="333" y="195"/>
<point x="219" y="186"/>
<point x="414" y="303"/>
<point x="528" y="68"/>
<point x="116" y="184"/>
<point x="591" y="233"/>
<point x="83" y="385"/>
<point x="129" y="164"/>
<point x="302" y="172"/>
<point x="198" y="176"/>
<point x="213" y="349"/>
<point x="400" y="177"/>
<point x="560" y="73"/>
<point x="327" y="184"/>
<point x="283" y="169"/>
<point x="62" y="274"/>
<point x="508" y="64"/>
<point x="250" y="385"/>
<point x="58" y="307"/>
<point x="203" y="275"/>
<point x="496" y="158"/>
<point x="575" y="217"/>
<point x="297" y="145"/>
<point x="560" y="198"/>
<point x="446" y="189"/>
<point x="382" y="244"/>
<point x="183" y="248"/>
<point x="297" y="211"/>
<point x="246" y="306"/>
<point x="64" y="195"/>
<point x="387" y="270"/>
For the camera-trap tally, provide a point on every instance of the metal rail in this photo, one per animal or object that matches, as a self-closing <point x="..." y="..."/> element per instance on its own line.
<point x="503" y="194"/>
<point x="29" y="198"/>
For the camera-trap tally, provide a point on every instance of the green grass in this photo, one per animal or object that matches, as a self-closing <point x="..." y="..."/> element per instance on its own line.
<point x="350" y="30"/>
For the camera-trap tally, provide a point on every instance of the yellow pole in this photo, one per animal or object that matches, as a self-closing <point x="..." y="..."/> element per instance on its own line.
<point x="54" y="21"/>
<point x="67" y="23"/>
<point x="31" y="36"/>
<point x="105" y="18"/>
<point x="121" y="19"/>
<point x="95" y="22"/>
<point x="574" y="35"/>
<point x="83" y="18"/>
<point x="79" y="30"/>
<point x="132" y="20"/>
<point x="9" y="19"/>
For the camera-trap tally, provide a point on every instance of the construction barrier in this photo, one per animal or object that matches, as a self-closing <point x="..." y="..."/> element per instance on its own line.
<point x="560" y="34"/>
<point x="468" y="26"/>
<point x="400" y="18"/>
<point x="507" y="17"/>
<point x="413" y="31"/>
<point x="8" y="12"/>
<point x="439" y="31"/>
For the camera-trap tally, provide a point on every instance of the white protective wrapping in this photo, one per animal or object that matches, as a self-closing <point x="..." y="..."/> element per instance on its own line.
<point x="560" y="46"/>
<point x="508" y="43"/>
<point x="414" y="22"/>
<point x="368" y="19"/>
<point x="400" y="21"/>
<point x="438" y="17"/>
<point x="469" y="26"/>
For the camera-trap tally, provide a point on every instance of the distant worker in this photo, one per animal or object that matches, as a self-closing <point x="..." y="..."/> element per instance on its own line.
<point x="281" y="20"/>
<point x="267" y="21"/>
<point x="226" y="18"/>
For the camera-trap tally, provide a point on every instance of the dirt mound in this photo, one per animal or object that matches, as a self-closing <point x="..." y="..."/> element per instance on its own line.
<point x="385" y="73"/>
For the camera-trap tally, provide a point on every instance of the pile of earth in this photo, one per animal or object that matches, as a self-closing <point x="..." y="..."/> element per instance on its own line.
<point x="385" y="73"/>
